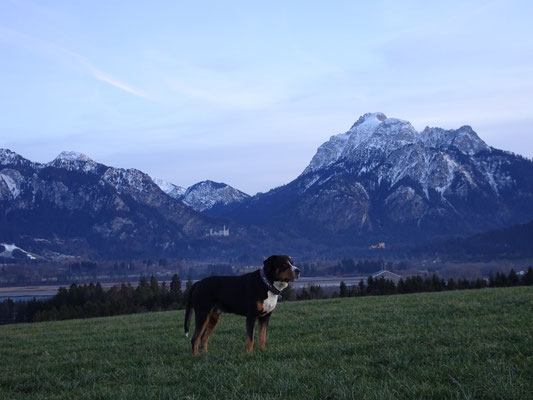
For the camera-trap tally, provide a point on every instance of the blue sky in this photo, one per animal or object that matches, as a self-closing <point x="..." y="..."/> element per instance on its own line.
<point x="244" y="92"/>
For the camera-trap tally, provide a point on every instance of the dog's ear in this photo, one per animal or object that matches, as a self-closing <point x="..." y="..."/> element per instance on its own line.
<point x="267" y="262"/>
<point x="269" y="266"/>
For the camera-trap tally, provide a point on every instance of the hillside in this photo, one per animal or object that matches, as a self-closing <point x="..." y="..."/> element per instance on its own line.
<point x="509" y="243"/>
<point x="465" y="344"/>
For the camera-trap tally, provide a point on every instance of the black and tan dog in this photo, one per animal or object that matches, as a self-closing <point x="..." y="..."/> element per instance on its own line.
<point x="253" y="295"/>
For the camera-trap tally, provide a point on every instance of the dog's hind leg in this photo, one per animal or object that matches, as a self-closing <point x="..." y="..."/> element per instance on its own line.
<point x="201" y="318"/>
<point x="214" y="317"/>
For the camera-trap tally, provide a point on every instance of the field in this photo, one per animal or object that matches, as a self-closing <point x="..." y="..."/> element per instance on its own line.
<point x="465" y="344"/>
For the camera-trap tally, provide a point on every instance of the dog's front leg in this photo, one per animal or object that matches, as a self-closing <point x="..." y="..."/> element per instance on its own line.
<point x="250" y="324"/>
<point x="263" y="324"/>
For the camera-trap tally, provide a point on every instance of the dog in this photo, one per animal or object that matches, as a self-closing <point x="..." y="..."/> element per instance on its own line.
<point x="253" y="295"/>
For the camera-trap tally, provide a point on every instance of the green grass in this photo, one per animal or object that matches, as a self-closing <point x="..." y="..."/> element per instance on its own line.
<point x="467" y="344"/>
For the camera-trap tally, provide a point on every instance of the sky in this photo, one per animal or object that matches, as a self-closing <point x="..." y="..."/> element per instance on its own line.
<point x="245" y="92"/>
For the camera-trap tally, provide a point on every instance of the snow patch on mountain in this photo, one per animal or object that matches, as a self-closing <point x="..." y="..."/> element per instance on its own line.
<point x="172" y="190"/>
<point x="12" y="179"/>
<point x="10" y="251"/>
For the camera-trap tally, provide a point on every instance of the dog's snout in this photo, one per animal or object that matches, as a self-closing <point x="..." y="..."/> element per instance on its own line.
<point x="296" y="272"/>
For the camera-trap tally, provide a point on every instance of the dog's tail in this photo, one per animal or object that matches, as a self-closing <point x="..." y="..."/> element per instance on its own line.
<point x="188" y="310"/>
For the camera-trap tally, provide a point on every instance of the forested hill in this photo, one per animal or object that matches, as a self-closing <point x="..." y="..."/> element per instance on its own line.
<point x="513" y="242"/>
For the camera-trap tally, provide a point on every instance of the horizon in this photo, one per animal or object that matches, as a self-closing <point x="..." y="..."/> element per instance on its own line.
<point x="65" y="153"/>
<point x="246" y="94"/>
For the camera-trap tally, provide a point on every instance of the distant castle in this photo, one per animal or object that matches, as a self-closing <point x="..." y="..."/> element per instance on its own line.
<point x="223" y="232"/>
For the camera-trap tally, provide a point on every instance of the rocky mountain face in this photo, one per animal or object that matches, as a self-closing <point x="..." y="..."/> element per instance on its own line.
<point x="205" y="195"/>
<point x="383" y="180"/>
<point x="77" y="206"/>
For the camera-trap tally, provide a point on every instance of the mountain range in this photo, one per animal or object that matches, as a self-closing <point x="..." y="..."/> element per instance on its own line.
<point x="381" y="181"/>
<point x="384" y="181"/>
<point x="73" y="205"/>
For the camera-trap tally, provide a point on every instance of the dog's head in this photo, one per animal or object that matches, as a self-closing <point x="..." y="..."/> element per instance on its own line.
<point x="280" y="269"/>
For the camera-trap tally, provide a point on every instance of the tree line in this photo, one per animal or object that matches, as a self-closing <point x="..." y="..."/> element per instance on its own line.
<point x="86" y="301"/>
<point x="416" y="284"/>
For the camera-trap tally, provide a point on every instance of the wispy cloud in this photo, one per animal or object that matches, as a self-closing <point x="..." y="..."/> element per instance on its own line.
<point x="66" y="56"/>
<point x="104" y="77"/>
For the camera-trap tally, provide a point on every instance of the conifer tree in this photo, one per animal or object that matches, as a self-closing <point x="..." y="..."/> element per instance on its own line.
<point x="527" y="278"/>
<point x="361" y="291"/>
<point x="513" y="279"/>
<point x="343" y="289"/>
<point x="188" y="286"/>
<point x="176" y="294"/>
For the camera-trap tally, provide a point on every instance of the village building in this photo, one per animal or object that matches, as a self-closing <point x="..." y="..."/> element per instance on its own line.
<point x="391" y="276"/>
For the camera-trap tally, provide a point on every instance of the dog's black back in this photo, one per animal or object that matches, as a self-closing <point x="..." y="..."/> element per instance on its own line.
<point x="228" y="294"/>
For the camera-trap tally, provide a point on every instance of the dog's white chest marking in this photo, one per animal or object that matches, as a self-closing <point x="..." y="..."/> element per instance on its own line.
<point x="270" y="302"/>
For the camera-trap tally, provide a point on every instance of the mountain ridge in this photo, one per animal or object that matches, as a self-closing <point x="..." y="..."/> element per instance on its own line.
<point x="203" y="195"/>
<point x="78" y="205"/>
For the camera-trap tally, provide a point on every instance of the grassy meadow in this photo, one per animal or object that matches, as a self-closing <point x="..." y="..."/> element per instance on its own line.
<point x="447" y="345"/>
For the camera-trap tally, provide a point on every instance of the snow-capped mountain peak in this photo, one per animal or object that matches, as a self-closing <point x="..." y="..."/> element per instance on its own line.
<point x="203" y="195"/>
<point x="73" y="160"/>
<point x="374" y="134"/>
<point x="206" y="194"/>
<point x="370" y="120"/>
<point x="371" y="131"/>
<point x="73" y="156"/>
<point x="8" y="157"/>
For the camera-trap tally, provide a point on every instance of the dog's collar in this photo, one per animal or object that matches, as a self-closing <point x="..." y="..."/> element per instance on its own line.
<point x="270" y="286"/>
